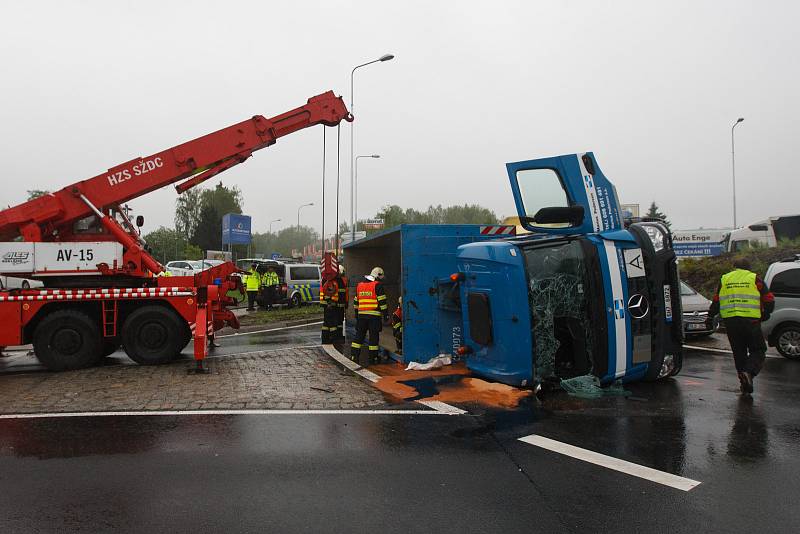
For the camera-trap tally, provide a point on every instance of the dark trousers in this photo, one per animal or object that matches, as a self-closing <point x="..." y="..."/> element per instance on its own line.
<point x="251" y="299"/>
<point x="339" y="332"/>
<point x="268" y="295"/>
<point x="747" y="344"/>
<point x="365" y="324"/>
<point x="329" y="329"/>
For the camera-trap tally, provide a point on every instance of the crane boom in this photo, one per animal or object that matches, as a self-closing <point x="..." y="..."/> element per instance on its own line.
<point x="51" y="217"/>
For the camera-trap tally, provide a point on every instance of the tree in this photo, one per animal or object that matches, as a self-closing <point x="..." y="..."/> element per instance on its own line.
<point x="285" y="241"/>
<point x="655" y="213"/>
<point x="204" y="218"/>
<point x="167" y="244"/>
<point x="36" y="193"/>
<point x="187" y="211"/>
<point x="208" y="234"/>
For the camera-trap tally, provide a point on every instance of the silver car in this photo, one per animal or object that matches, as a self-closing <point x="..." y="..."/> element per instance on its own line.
<point x="782" y="330"/>
<point x="696" y="320"/>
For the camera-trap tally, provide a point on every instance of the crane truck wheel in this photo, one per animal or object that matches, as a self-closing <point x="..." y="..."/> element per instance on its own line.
<point x="153" y="335"/>
<point x="66" y="340"/>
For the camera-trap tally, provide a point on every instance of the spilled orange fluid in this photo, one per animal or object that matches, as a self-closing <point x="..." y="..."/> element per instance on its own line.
<point x="468" y="389"/>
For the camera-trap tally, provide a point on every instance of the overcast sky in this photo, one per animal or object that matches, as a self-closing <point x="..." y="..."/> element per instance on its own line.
<point x="651" y="87"/>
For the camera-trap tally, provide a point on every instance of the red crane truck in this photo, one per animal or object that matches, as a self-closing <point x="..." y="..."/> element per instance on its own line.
<point x="101" y="289"/>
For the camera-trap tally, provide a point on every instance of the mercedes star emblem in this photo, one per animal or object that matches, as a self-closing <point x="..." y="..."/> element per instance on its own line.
<point x="638" y="306"/>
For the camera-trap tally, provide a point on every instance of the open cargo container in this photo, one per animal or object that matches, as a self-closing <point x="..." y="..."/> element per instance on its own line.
<point x="418" y="260"/>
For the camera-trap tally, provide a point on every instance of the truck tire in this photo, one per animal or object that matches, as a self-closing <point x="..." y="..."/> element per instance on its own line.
<point x="787" y="341"/>
<point x="153" y="335"/>
<point x="66" y="340"/>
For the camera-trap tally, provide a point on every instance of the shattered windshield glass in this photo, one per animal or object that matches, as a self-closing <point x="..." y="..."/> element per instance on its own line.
<point x="557" y="291"/>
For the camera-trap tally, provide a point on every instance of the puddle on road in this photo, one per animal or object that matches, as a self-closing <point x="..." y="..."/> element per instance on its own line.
<point x="449" y="384"/>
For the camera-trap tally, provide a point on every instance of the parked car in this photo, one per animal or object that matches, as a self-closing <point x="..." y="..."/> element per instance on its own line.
<point x="190" y="267"/>
<point x="696" y="319"/>
<point x="11" y="282"/>
<point x="782" y="329"/>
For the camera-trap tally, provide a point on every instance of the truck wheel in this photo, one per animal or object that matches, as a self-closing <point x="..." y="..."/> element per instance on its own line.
<point x="787" y="341"/>
<point x="66" y="340"/>
<point x="153" y="335"/>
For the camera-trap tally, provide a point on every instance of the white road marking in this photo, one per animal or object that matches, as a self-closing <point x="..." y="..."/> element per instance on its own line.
<point x="269" y="330"/>
<point x="439" y="406"/>
<point x="647" y="473"/>
<point x="222" y="412"/>
<point x="724" y="351"/>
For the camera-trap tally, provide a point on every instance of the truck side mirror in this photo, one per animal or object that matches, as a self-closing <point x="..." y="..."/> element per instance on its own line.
<point x="139" y="221"/>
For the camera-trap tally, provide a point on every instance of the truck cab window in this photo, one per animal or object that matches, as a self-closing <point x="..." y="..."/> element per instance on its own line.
<point x="562" y="330"/>
<point x="542" y="188"/>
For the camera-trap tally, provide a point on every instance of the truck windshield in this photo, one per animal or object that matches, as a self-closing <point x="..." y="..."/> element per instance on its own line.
<point x="557" y="291"/>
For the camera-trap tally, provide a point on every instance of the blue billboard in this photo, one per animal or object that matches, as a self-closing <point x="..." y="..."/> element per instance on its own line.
<point x="236" y="229"/>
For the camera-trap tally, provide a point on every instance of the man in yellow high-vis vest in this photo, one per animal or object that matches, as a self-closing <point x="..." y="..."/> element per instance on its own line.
<point x="744" y="300"/>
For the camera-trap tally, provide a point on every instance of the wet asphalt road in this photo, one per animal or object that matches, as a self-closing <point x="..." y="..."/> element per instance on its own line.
<point x="423" y="473"/>
<point x="269" y="338"/>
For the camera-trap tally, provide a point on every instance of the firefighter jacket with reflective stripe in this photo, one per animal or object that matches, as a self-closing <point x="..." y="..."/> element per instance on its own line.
<point x="270" y="279"/>
<point x="253" y="280"/>
<point x="397" y="320"/>
<point x="370" y="299"/>
<point x="739" y="296"/>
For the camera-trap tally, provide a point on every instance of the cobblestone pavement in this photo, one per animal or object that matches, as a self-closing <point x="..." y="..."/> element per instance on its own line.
<point x="296" y="378"/>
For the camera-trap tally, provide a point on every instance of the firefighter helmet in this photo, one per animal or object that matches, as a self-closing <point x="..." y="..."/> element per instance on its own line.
<point x="377" y="273"/>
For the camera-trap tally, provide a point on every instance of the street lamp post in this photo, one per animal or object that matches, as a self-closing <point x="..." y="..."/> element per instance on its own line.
<point x="385" y="57"/>
<point x="298" y="213"/>
<point x="733" y="168"/>
<point x="355" y="194"/>
<point x="273" y="221"/>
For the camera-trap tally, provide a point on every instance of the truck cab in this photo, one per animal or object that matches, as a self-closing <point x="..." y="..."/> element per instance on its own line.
<point x="583" y="293"/>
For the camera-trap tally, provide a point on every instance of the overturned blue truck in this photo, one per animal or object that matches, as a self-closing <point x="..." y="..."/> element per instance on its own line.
<point x="583" y="293"/>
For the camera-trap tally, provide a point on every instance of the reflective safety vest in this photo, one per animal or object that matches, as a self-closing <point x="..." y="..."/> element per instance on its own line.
<point x="253" y="281"/>
<point x="367" y="301"/>
<point x="739" y="295"/>
<point x="271" y="279"/>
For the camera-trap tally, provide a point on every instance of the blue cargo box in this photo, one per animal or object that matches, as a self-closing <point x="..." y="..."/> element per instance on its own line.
<point x="418" y="260"/>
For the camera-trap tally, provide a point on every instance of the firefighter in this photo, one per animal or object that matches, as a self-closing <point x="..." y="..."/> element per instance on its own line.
<point x="744" y="300"/>
<point x="270" y="281"/>
<point x="341" y="305"/>
<point x="397" y="325"/>
<point x="335" y="302"/>
<point x="252" y="284"/>
<point x="370" y="308"/>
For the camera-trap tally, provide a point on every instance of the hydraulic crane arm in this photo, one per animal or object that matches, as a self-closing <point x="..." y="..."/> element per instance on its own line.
<point x="50" y="217"/>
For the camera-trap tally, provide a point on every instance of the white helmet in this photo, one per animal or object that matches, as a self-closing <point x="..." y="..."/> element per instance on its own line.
<point x="377" y="273"/>
<point x="341" y="269"/>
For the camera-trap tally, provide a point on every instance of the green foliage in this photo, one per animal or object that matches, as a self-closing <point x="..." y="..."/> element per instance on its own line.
<point x="205" y="215"/>
<point x="187" y="211"/>
<point x="394" y="215"/>
<point x="167" y="244"/>
<point x="703" y="274"/>
<point x="284" y="241"/>
<point x="192" y="252"/>
<point x="656" y="213"/>
<point x="36" y="193"/>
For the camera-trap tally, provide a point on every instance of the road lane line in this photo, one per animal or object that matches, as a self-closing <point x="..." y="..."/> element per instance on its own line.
<point x="439" y="406"/>
<point x="723" y="351"/>
<point x="223" y="412"/>
<point x="269" y="330"/>
<point x="609" y="462"/>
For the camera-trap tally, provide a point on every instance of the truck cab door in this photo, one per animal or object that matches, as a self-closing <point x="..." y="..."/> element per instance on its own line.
<point x="564" y="195"/>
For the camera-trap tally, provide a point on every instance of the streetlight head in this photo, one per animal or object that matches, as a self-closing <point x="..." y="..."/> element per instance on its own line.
<point x="311" y="204"/>
<point x="386" y="57"/>
<point x="375" y="156"/>
<point x="740" y="119"/>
